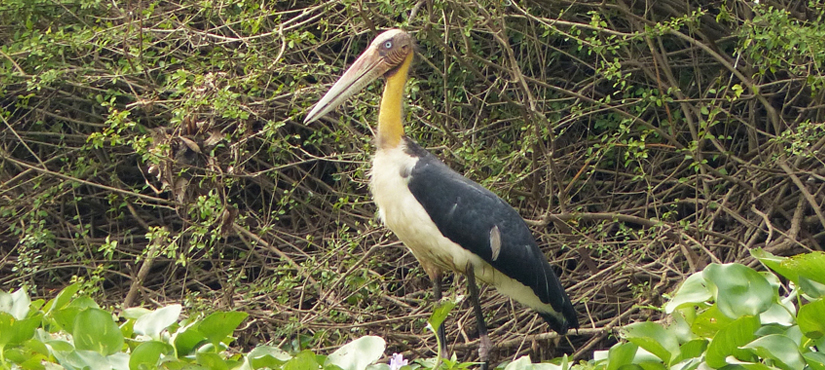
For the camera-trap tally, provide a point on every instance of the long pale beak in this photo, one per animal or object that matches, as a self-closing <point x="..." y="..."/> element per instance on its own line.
<point x="367" y="68"/>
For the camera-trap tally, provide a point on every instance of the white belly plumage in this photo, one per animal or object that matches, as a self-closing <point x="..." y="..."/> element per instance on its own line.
<point x="401" y="212"/>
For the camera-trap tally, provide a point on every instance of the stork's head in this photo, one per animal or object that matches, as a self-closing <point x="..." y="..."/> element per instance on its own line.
<point x="383" y="57"/>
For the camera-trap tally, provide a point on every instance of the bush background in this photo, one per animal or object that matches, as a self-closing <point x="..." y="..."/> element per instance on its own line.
<point x="154" y="151"/>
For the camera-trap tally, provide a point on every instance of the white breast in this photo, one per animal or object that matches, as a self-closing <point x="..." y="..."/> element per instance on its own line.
<point x="401" y="212"/>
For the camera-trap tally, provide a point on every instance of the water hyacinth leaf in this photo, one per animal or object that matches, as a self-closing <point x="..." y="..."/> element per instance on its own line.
<point x="692" y="291"/>
<point x="20" y="304"/>
<point x="729" y="339"/>
<point x="95" y="330"/>
<point x="809" y="265"/>
<point x="739" y="290"/>
<point x="267" y="357"/>
<point x="653" y="338"/>
<point x="777" y="314"/>
<point x="815" y="360"/>
<point x="358" y="354"/>
<point x="708" y="323"/>
<point x="302" y="361"/>
<point x="147" y="354"/>
<point x="649" y="365"/>
<point x="187" y="338"/>
<point x="779" y="348"/>
<point x="811" y="319"/>
<point x="211" y="361"/>
<point x="522" y="363"/>
<point x="63" y="298"/>
<point x="153" y="323"/>
<point x="620" y="355"/>
<point x="691" y="349"/>
<point x="220" y="325"/>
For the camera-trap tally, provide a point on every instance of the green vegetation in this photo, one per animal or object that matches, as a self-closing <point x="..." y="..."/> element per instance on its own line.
<point x="727" y="316"/>
<point x="152" y="152"/>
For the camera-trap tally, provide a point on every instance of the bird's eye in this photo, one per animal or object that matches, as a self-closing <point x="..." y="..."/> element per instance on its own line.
<point x="388" y="45"/>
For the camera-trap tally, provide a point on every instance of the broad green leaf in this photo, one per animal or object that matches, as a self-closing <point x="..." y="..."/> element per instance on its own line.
<point x="134" y="313"/>
<point x="63" y="298"/>
<point x="220" y="325"/>
<point x="212" y="361"/>
<point x="6" y="328"/>
<point x="95" y="330"/>
<point x="23" y="330"/>
<point x="777" y="314"/>
<point x="440" y="312"/>
<point x="522" y="363"/>
<point x="729" y="339"/>
<point x="65" y="316"/>
<point x="739" y="290"/>
<point x="267" y="356"/>
<point x="153" y="323"/>
<point x="816" y="360"/>
<point x="302" y="361"/>
<point x="650" y="365"/>
<point x="692" y="291"/>
<point x="187" y="338"/>
<point x="653" y="338"/>
<point x="692" y="349"/>
<point x="708" y="323"/>
<point x="809" y="265"/>
<point x="779" y="348"/>
<point x="689" y="364"/>
<point x="20" y="304"/>
<point x="621" y="354"/>
<point x="356" y="355"/>
<point x="147" y="354"/>
<point x="811" y="319"/>
<point x="6" y="302"/>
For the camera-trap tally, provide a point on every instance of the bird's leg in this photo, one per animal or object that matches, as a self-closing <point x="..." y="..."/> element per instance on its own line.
<point x="442" y="339"/>
<point x="484" y="344"/>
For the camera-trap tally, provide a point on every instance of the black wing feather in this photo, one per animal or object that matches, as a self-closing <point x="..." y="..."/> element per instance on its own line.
<point x="465" y="212"/>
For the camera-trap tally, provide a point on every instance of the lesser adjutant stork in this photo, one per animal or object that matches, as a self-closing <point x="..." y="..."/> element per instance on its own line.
<point x="448" y="222"/>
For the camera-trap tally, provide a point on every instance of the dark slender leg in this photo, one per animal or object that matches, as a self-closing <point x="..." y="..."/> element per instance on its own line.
<point x="440" y="332"/>
<point x="484" y="344"/>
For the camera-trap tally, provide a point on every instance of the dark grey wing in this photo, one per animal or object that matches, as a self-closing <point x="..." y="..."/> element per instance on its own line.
<point x="467" y="213"/>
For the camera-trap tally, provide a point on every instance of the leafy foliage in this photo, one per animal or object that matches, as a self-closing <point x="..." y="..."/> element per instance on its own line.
<point x="153" y="151"/>
<point x="75" y="333"/>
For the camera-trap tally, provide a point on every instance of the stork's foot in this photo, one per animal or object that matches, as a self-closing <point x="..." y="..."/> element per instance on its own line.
<point x="484" y="347"/>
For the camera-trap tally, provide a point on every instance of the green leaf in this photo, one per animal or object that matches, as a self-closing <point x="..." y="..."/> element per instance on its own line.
<point x="305" y="360"/>
<point x="777" y="314"/>
<point x="809" y="265"/>
<point x="63" y="298"/>
<point x="267" y="356"/>
<point x="147" y="354"/>
<point x="95" y="330"/>
<point x="708" y="323"/>
<point x="811" y="319"/>
<point x="6" y="328"/>
<point x="153" y="323"/>
<point x="739" y="290"/>
<point x="187" y="338"/>
<point x="440" y="312"/>
<point x="522" y="363"/>
<point x="816" y="360"/>
<point x="23" y="330"/>
<point x="621" y="354"/>
<point x="692" y="291"/>
<point x="220" y="325"/>
<point x="781" y="349"/>
<point x="654" y="339"/>
<point x="691" y="349"/>
<point x="729" y="339"/>
<point x="20" y="304"/>
<point x="211" y="361"/>
<point x="356" y="355"/>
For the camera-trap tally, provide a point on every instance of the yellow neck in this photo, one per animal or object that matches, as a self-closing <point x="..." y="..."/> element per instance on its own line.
<point x="390" y="129"/>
